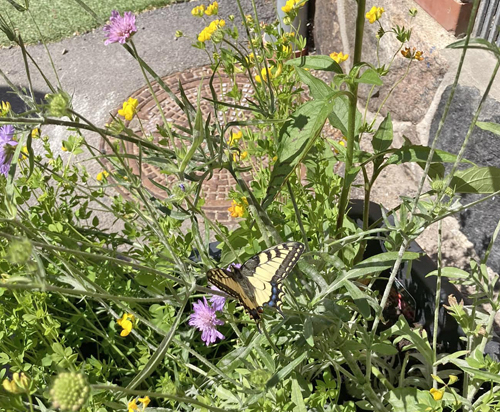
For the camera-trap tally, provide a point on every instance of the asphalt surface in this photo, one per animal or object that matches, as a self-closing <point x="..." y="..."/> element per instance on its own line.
<point x="101" y="77"/>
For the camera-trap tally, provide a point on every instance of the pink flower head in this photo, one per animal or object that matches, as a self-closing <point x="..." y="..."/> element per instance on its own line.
<point x="7" y="144"/>
<point x="204" y="318"/>
<point x="217" y="301"/>
<point x="120" y="29"/>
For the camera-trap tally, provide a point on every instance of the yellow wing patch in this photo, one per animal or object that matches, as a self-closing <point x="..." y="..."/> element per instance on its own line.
<point x="258" y="281"/>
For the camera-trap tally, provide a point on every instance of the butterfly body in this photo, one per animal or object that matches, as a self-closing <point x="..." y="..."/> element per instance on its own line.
<point x="258" y="281"/>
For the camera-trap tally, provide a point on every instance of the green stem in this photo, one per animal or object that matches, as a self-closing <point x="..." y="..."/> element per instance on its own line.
<point x="353" y="100"/>
<point x="437" y="303"/>
<point x="297" y="214"/>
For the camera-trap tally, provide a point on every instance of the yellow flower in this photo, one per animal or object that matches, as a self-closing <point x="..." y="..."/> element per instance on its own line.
<point x="20" y="383"/>
<point x="412" y="54"/>
<point x="292" y="4"/>
<point x="437" y="394"/>
<point x="100" y="176"/>
<point x="240" y="156"/>
<point x="235" y="137"/>
<point x="213" y="9"/>
<point x="132" y="406"/>
<point x="374" y="14"/>
<point x="198" y="11"/>
<point x="339" y="57"/>
<point x="126" y="322"/>
<point x="236" y="209"/>
<point x="208" y="31"/>
<point x="145" y="402"/>
<point x="25" y="152"/>
<point x="275" y="159"/>
<point x="452" y="380"/>
<point x="4" y="108"/>
<point x="63" y="148"/>
<point x="35" y="133"/>
<point x="263" y="75"/>
<point x="129" y="108"/>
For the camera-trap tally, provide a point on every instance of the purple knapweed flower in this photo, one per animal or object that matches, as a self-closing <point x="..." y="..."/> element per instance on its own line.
<point x="204" y="318"/>
<point x="7" y="144"/>
<point x="217" y="301"/>
<point x="120" y="29"/>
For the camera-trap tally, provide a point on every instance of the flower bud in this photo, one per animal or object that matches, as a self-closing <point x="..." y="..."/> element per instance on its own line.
<point x="70" y="391"/>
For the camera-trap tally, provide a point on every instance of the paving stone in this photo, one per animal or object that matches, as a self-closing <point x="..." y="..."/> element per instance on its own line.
<point x="478" y="222"/>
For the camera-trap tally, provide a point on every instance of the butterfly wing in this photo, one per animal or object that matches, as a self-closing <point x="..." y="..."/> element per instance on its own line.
<point x="258" y="282"/>
<point x="266" y="271"/>
<point x="236" y="286"/>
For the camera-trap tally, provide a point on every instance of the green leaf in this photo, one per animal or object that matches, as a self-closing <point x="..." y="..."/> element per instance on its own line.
<point x="382" y="139"/>
<point x="309" y="332"/>
<point x="478" y="43"/>
<point x="198" y="137"/>
<point x="489" y="127"/>
<point x="283" y="373"/>
<point x="297" y="398"/>
<point x="359" y="298"/>
<point x="419" y="154"/>
<point x="318" y="88"/>
<point x="450" y="272"/>
<point x="297" y="136"/>
<point x="369" y="76"/>
<point x="476" y="179"/>
<point x="405" y="399"/>
<point x="384" y="349"/>
<point x="316" y="63"/>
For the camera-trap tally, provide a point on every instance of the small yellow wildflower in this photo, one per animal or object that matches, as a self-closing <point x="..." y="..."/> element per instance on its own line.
<point x="236" y="209"/>
<point x="437" y="394"/>
<point x="412" y="54"/>
<point x="275" y="159"/>
<point x="263" y="76"/>
<point x="374" y="14"/>
<point x="20" y="383"/>
<point x="213" y="9"/>
<point x="235" y="137"/>
<point x="198" y="11"/>
<point x="25" y="152"/>
<point x="63" y="148"/>
<point x="292" y="4"/>
<point x="240" y="156"/>
<point x="127" y="323"/>
<point x="339" y="57"/>
<point x="132" y="406"/>
<point x="452" y="380"/>
<point x="129" y="108"/>
<point x="145" y="402"/>
<point x="207" y="32"/>
<point x="4" y="108"/>
<point x="35" y="133"/>
<point x="100" y="176"/>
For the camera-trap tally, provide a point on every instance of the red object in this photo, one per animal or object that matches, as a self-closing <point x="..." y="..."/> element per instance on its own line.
<point x="453" y="15"/>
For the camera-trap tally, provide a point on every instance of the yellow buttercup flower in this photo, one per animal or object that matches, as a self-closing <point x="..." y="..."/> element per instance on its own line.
<point x="213" y="9"/>
<point x="100" y="176"/>
<point x="129" y="108"/>
<point x="339" y="57"/>
<point x="374" y="14"/>
<point x="127" y="323"/>
<point x="437" y="394"/>
<point x="236" y="209"/>
<point x="198" y="11"/>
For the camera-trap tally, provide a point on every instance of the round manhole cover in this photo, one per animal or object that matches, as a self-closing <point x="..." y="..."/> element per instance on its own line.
<point x="216" y="190"/>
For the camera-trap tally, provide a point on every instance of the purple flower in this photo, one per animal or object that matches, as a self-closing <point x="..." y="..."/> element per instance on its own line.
<point x="236" y="265"/>
<point x="204" y="318"/>
<point x="120" y="29"/>
<point x="7" y="144"/>
<point x="183" y="187"/>
<point x="217" y="301"/>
